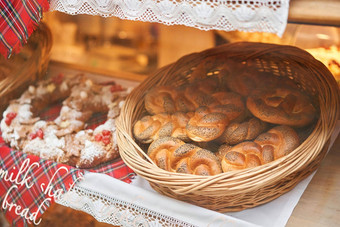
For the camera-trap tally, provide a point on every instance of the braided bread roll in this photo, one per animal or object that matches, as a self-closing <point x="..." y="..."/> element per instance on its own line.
<point x="199" y="92"/>
<point x="209" y="122"/>
<point x="278" y="141"/>
<point x="150" y="128"/>
<point x="244" y="80"/>
<point x="174" y="155"/>
<point x="238" y="132"/>
<point x="243" y="155"/>
<point x="166" y="99"/>
<point x="161" y="100"/>
<point x="267" y="147"/>
<point x="160" y="151"/>
<point x="207" y="85"/>
<point x="230" y="103"/>
<point x="282" y="106"/>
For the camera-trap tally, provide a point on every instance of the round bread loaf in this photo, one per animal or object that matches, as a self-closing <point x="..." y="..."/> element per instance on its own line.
<point x="284" y="106"/>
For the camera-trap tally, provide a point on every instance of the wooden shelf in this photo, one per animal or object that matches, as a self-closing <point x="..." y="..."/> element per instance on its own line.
<point x="318" y="12"/>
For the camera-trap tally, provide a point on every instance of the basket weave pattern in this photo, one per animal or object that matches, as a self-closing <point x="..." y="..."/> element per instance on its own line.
<point x="238" y="190"/>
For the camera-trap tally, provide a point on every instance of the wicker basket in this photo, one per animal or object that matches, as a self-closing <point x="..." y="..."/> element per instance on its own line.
<point x="238" y="190"/>
<point x="25" y="67"/>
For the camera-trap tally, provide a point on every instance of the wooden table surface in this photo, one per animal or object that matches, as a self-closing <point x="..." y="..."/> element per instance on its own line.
<point x="320" y="202"/>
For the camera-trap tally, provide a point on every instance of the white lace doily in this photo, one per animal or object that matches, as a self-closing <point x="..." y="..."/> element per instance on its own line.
<point x="243" y="15"/>
<point x="115" y="211"/>
<point x="118" y="203"/>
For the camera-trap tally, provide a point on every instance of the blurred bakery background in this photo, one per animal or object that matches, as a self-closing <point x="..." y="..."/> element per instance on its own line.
<point x="123" y="46"/>
<point x="112" y="46"/>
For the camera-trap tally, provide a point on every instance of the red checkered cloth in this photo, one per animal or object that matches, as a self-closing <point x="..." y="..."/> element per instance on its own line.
<point x="35" y="198"/>
<point x="18" y="19"/>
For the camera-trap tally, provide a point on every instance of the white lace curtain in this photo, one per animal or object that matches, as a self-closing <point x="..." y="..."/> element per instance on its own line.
<point x="243" y="15"/>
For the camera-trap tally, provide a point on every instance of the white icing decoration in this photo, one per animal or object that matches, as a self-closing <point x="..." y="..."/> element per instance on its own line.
<point x="50" y="147"/>
<point x="39" y="124"/>
<point x="83" y="95"/>
<point x="109" y="125"/>
<point x="16" y="135"/>
<point x="41" y="91"/>
<point x="24" y="112"/>
<point x="91" y="151"/>
<point x="63" y="86"/>
<point x="31" y="89"/>
<point x="64" y="124"/>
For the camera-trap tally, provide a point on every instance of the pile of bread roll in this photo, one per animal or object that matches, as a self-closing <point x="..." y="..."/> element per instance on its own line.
<point x="231" y="119"/>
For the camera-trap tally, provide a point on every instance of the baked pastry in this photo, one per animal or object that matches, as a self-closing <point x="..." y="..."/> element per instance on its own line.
<point x="65" y="139"/>
<point x="243" y="155"/>
<point x="174" y="155"/>
<point x="161" y="100"/>
<point x="330" y="57"/>
<point x="278" y="142"/>
<point x="188" y="97"/>
<point x="150" y="128"/>
<point x="267" y="147"/>
<point x="284" y="106"/>
<point x="245" y="79"/>
<point x="238" y="132"/>
<point x="207" y="124"/>
<point x="229" y="103"/>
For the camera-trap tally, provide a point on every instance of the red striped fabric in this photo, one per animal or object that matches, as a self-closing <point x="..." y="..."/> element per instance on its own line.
<point x="18" y="19"/>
